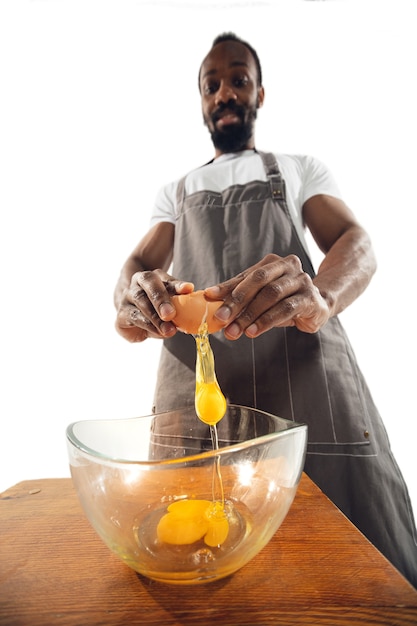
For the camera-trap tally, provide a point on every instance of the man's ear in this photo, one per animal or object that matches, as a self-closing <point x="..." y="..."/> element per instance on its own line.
<point x="261" y="96"/>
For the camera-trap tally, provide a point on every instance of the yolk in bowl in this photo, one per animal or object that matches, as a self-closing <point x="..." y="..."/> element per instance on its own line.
<point x="188" y="521"/>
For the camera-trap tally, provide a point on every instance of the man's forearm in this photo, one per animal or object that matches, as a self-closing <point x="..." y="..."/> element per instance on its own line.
<point x="346" y="270"/>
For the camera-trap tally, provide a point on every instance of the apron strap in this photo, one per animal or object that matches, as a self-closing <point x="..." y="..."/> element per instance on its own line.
<point x="277" y="185"/>
<point x="274" y="176"/>
<point x="180" y="193"/>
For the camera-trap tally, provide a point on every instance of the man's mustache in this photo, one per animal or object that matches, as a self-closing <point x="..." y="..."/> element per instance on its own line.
<point x="228" y="106"/>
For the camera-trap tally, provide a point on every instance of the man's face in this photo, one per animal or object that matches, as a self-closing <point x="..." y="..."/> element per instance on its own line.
<point x="230" y="96"/>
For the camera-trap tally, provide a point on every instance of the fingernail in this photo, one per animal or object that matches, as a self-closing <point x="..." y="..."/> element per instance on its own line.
<point x="223" y="313"/>
<point x="166" y="310"/>
<point x="252" y="330"/>
<point x="212" y="292"/>
<point x="234" y="330"/>
<point x="167" y="328"/>
<point x="180" y="286"/>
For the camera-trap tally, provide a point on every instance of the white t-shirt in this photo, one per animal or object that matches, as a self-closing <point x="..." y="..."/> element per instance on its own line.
<point x="304" y="177"/>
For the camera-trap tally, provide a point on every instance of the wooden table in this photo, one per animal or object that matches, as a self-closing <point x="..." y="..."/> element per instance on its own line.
<point x="317" y="569"/>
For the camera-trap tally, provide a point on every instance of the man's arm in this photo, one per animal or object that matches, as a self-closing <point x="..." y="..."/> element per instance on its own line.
<point x="349" y="261"/>
<point x="154" y="251"/>
<point x="143" y="290"/>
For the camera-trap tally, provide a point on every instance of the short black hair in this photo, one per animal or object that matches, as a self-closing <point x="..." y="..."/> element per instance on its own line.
<point x="229" y="36"/>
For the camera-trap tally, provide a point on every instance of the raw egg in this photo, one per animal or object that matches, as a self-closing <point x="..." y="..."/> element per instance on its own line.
<point x="188" y="521"/>
<point x="191" y="309"/>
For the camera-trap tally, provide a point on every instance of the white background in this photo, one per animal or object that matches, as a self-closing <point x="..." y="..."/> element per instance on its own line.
<point x="99" y="107"/>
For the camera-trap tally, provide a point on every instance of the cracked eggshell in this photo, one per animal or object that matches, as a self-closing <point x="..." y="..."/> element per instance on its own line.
<point x="191" y="308"/>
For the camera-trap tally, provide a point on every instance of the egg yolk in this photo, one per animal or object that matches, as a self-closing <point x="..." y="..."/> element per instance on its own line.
<point x="188" y="521"/>
<point x="210" y="403"/>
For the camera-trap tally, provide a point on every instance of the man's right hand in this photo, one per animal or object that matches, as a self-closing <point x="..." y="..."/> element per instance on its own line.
<point x="145" y="309"/>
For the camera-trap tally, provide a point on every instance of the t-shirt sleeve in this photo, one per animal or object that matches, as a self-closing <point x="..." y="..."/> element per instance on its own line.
<point x="318" y="179"/>
<point x="164" y="209"/>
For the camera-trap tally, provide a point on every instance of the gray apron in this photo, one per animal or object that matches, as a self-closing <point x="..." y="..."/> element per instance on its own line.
<point x="309" y="378"/>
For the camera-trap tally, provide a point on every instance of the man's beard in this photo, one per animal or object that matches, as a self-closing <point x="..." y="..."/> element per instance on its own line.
<point x="235" y="137"/>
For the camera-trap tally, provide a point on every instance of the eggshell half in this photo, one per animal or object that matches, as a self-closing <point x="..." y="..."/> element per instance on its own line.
<point x="191" y="308"/>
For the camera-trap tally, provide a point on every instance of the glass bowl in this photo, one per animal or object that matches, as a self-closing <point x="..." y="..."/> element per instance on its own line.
<point x="230" y="496"/>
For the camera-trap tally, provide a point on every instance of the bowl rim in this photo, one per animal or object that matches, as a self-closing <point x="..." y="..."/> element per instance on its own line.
<point x="236" y="447"/>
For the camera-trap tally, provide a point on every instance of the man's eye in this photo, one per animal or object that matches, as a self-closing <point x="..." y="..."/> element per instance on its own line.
<point x="242" y="81"/>
<point x="210" y="88"/>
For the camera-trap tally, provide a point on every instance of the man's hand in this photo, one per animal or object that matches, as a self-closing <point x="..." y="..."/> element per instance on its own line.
<point x="274" y="292"/>
<point x="145" y="309"/>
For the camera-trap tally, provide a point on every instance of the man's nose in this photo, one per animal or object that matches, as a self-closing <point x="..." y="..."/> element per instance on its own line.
<point x="225" y="93"/>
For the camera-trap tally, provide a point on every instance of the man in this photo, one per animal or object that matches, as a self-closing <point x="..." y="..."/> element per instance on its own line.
<point x="235" y="227"/>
